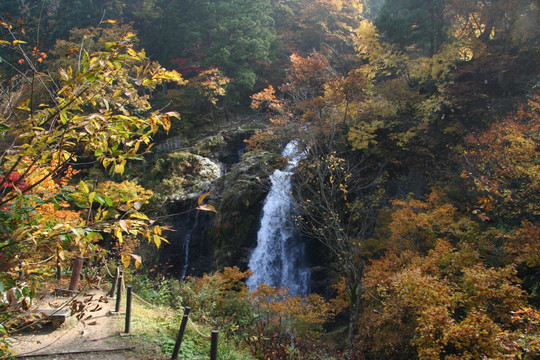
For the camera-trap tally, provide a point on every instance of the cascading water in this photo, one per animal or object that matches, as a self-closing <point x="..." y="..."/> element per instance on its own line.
<point x="185" y="246"/>
<point x="279" y="258"/>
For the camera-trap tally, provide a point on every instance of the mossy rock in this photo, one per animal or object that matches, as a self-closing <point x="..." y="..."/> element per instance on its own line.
<point x="242" y="193"/>
<point x="247" y="182"/>
<point x="179" y="174"/>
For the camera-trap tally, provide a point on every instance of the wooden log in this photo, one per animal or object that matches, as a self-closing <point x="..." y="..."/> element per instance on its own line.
<point x="68" y="352"/>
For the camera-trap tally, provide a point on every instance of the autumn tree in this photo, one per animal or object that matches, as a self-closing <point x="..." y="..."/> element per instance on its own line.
<point x="501" y="166"/>
<point x="98" y="111"/>
<point x="414" y="23"/>
<point x="445" y="304"/>
<point x="307" y="26"/>
<point x="333" y="194"/>
<point x="443" y="289"/>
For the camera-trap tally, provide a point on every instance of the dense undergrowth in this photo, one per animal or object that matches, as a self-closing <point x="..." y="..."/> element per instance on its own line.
<point x="265" y="324"/>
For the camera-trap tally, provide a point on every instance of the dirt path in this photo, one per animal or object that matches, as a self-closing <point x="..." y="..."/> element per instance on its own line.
<point x="91" y="327"/>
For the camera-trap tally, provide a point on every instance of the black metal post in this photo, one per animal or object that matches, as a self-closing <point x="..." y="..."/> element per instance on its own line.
<point x="128" y="308"/>
<point x="113" y="287"/>
<point x="214" y="345"/>
<point x="176" y="349"/>
<point x="119" y="293"/>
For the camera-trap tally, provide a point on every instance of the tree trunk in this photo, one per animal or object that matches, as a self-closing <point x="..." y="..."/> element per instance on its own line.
<point x="355" y="273"/>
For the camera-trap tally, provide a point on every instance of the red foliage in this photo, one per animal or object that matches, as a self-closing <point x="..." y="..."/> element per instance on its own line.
<point x="190" y="65"/>
<point x="13" y="180"/>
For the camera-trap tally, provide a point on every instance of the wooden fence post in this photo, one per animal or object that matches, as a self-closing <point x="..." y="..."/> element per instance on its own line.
<point x="176" y="349"/>
<point x="113" y="287"/>
<point x="76" y="274"/>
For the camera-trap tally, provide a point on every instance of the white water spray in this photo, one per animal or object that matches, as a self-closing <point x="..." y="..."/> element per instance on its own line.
<point x="278" y="260"/>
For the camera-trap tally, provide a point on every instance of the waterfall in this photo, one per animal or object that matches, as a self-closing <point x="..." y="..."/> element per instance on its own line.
<point x="278" y="260"/>
<point x="185" y="246"/>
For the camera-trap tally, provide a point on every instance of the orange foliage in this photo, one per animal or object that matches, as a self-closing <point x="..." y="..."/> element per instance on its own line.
<point x="266" y="98"/>
<point x="524" y="245"/>
<point x="299" y="314"/>
<point x="416" y="224"/>
<point x="50" y="211"/>
<point x="502" y="166"/>
<point x="445" y="304"/>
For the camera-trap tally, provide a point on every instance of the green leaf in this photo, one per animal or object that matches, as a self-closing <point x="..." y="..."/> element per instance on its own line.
<point x="100" y="199"/>
<point x="108" y="201"/>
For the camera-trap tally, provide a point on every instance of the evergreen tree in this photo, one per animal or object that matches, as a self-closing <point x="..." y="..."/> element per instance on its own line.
<point x="80" y="14"/>
<point x="414" y="22"/>
<point x="234" y="36"/>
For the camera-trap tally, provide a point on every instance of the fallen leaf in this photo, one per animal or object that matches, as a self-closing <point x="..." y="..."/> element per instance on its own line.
<point x="206" y="207"/>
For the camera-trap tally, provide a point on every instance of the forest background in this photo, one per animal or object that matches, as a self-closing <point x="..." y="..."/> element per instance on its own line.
<point x="421" y="121"/>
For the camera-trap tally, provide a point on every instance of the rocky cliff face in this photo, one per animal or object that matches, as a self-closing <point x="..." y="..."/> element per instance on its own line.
<point x="237" y="182"/>
<point x="239" y="198"/>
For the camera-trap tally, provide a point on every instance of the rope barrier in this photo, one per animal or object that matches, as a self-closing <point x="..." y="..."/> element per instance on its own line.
<point x="197" y="330"/>
<point x="148" y="304"/>
<point x="108" y="271"/>
<point x="158" y="308"/>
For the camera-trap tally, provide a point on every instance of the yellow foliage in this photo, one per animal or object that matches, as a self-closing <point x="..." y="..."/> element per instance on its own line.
<point x="301" y="315"/>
